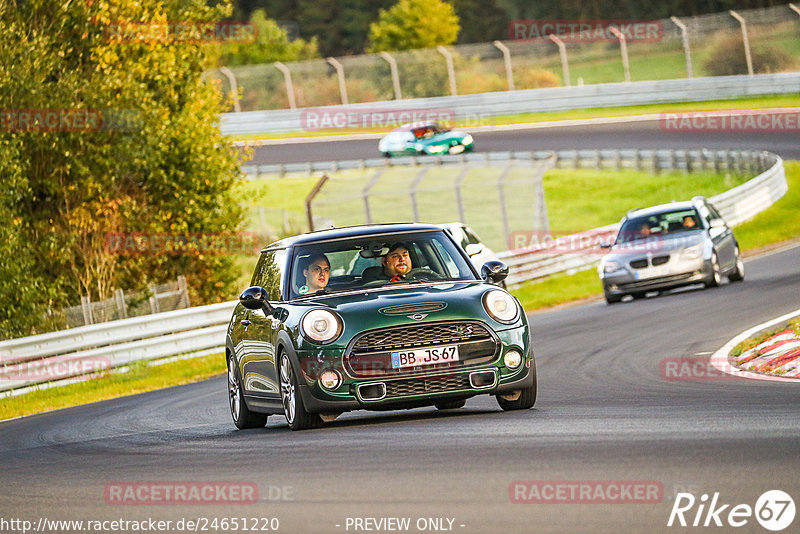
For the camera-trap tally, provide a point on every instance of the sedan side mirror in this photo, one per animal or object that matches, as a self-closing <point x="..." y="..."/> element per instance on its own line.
<point x="256" y="298"/>
<point x="717" y="223"/>
<point x="605" y="245"/>
<point x="494" y="271"/>
<point x="473" y="248"/>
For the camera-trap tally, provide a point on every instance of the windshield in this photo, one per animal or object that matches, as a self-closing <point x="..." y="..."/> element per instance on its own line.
<point x="367" y="262"/>
<point x="659" y="224"/>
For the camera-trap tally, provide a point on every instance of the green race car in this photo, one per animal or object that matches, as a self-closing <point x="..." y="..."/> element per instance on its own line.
<point x="424" y="138"/>
<point x="374" y="317"/>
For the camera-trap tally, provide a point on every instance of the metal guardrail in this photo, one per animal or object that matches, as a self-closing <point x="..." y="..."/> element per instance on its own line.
<point x="580" y="251"/>
<point x="64" y="355"/>
<point x="475" y="107"/>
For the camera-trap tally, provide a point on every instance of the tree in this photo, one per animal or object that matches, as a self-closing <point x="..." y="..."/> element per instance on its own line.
<point x="412" y="24"/>
<point x="148" y="157"/>
<point x="271" y="44"/>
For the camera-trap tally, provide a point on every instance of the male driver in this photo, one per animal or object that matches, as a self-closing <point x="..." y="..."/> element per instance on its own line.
<point x="396" y="263"/>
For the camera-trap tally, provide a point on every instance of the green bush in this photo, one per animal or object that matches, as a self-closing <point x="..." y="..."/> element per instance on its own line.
<point x="727" y="57"/>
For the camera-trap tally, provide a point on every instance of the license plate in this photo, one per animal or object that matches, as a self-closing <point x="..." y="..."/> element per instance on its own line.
<point x="428" y="356"/>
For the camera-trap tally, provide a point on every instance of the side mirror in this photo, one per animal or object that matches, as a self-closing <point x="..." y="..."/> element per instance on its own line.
<point x="605" y="245"/>
<point x="494" y="271"/>
<point x="256" y="298"/>
<point x="717" y="223"/>
<point x="473" y="248"/>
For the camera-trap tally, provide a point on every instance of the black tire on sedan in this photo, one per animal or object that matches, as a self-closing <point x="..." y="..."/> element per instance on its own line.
<point x="715" y="275"/>
<point x="241" y="414"/>
<point x="293" y="407"/>
<point x="612" y="299"/>
<point x="737" y="275"/>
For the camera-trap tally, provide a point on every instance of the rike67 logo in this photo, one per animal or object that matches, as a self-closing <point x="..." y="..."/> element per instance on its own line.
<point x="774" y="510"/>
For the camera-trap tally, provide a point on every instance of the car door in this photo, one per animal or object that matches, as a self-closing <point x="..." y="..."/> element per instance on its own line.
<point x="259" y="330"/>
<point x="721" y="236"/>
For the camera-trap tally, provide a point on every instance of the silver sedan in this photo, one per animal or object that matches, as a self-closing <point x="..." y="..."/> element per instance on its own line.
<point x="667" y="246"/>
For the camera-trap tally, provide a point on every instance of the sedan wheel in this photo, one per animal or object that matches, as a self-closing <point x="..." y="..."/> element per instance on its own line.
<point x="242" y="416"/>
<point x="737" y="275"/>
<point x="715" y="276"/>
<point x="293" y="407"/>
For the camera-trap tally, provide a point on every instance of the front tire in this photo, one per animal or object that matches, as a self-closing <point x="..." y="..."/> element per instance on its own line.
<point x="241" y="414"/>
<point x="612" y="299"/>
<point x="451" y="405"/>
<point x="293" y="407"/>
<point x="526" y="399"/>
<point x="737" y="275"/>
<point x="715" y="276"/>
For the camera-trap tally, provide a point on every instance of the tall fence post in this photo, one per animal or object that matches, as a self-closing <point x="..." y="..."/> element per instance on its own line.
<point x="623" y="46"/>
<point x="119" y="297"/>
<point x="395" y="76"/>
<point x="503" y="208"/>
<point x="153" y="298"/>
<point x="310" y="198"/>
<point x="562" y="50"/>
<point x="184" y="289"/>
<point x="451" y="71"/>
<point x="746" y="41"/>
<point x="340" y="74"/>
<point x="507" y="61"/>
<point x="459" y="197"/>
<point x="86" y="307"/>
<point x="287" y="79"/>
<point x="234" y="87"/>
<point x="686" y="52"/>
<point x="413" y="187"/>
<point x="365" y="194"/>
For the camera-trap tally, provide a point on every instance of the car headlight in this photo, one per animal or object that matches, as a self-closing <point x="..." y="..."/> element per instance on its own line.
<point x="693" y="252"/>
<point x="436" y="149"/>
<point x="467" y="140"/>
<point x="500" y="306"/>
<point x="610" y="266"/>
<point x="321" y="326"/>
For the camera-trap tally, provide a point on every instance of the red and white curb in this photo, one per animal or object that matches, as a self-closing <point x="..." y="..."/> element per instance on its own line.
<point x="720" y="358"/>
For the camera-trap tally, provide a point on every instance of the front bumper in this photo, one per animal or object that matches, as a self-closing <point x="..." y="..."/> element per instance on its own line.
<point x="420" y="388"/>
<point x="675" y="273"/>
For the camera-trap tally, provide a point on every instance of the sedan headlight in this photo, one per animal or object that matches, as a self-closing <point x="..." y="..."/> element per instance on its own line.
<point x="500" y="306"/>
<point x="321" y="326"/>
<point x="693" y="252"/>
<point x="467" y="140"/>
<point x="610" y="266"/>
<point x="435" y="149"/>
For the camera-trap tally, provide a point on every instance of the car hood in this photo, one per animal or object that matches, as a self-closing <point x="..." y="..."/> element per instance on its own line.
<point x="410" y="305"/>
<point x="658" y="245"/>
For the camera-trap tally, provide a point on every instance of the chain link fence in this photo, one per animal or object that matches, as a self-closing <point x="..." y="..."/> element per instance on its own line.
<point x="158" y="298"/>
<point x="705" y="45"/>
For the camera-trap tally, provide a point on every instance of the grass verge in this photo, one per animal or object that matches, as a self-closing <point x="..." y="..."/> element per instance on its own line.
<point x="762" y="102"/>
<point x="140" y="378"/>
<point x="776" y="225"/>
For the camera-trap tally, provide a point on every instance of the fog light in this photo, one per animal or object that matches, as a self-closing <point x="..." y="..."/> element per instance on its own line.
<point x="512" y="359"/>
<point x="330" y="379"/>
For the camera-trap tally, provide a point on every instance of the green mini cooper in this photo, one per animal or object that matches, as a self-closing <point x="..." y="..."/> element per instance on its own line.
<point x="378" y="317"/>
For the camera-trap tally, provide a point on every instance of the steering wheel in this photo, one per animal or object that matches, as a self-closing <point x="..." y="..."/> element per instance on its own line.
<point x="423" y="272"/>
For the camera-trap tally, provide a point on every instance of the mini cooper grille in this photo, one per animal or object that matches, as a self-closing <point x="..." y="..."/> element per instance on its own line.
<point x="419" y="336"/>
<point x="435" y="384"/>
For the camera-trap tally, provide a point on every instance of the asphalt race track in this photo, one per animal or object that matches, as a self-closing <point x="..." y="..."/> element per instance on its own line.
<point x="607" y="413"/>
<point x="645" y="134"/>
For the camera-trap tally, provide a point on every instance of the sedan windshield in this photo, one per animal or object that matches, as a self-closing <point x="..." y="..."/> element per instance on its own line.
<point x="366" y="262"/>
<point x="659" y="224"/>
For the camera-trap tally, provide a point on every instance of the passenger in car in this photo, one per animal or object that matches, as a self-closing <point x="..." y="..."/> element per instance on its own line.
<point x="317" y="272"/>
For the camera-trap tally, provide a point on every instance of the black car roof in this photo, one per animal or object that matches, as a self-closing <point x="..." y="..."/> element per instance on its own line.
<point x="352" y="231"/>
